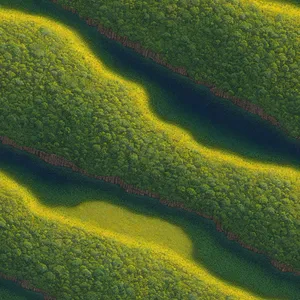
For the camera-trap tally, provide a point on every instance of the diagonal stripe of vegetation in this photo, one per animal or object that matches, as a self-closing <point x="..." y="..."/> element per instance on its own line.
<point x="73" y="261"/>
<point x="57" y="97"/>
<point x="246" y="48"/>
<point x="107" y="206"/>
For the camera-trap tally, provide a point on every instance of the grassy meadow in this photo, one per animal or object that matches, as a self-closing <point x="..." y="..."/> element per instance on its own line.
<point x="246" y="48"/>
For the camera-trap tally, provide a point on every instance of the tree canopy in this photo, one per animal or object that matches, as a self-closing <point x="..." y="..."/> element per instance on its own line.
<point x="248" y="49"/>
<point x="56" y="99"/>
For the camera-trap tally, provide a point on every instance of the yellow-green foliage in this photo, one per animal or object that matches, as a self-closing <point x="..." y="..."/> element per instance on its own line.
<point x="144" y="219"/>
<point x="70" y="259"/>
<point x="56" y="96"/>
<point x="248" y="48"/>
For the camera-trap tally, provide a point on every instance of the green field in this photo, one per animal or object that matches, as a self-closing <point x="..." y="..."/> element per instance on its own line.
<point x="46" y="92"/>
<point x="106" y="206"/>
<point x="58" y="95"/>
<point x="246" y="48"/>
<point x="73" y="260"/>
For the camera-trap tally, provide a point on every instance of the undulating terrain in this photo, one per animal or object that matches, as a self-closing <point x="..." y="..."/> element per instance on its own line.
<point x="245" y="49"/>
<point x="158" y="154"/>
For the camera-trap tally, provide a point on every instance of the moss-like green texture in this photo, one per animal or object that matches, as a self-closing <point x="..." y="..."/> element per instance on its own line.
<point x="106" y="206"/>
<point x="249" y="49"/>
<point x="53" y="100"/>
<point x="11" y="291"/>
<point x="70" y="263"/>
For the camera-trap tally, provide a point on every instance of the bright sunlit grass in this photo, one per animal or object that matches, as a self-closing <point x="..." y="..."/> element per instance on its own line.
<point x="180" y="137"/>
<point x="10" y="187"/>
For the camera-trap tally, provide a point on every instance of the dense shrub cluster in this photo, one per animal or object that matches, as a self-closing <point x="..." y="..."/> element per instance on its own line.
<point x="242" y="47"/>
<point x="71" y="263"/>
<point x="50" y="99"/>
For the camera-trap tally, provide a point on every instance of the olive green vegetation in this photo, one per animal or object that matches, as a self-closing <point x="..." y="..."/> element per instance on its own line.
<point x="145" y="219"/>
<point x="249" y="49"/>
<point x="176" y="99"/>
<point x="8" y="295"/>
<point x="73" y="263"/>
<point x="56" y="97"/>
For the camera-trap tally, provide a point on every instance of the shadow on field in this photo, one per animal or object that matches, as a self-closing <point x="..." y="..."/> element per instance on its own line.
<point x="225" y="259"/>
<point x="213" y="122"/>
<point x="12" y="291"/>
<point x="175" y="99"/>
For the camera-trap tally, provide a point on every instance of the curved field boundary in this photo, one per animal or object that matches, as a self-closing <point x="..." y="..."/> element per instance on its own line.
<point x="268" y="8"/>
<point x="55" y="160"/>
<point x="180" y="137"/>
<point x="12" y="188"/>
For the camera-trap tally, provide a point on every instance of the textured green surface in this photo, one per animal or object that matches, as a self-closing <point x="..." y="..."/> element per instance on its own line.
<point x="53" y="104"/>
<point x="72" y="263"/>
<point x="249" y="49"/>
<point x="144" y="219"/>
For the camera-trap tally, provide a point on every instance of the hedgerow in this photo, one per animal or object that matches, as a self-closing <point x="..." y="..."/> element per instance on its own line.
<point x="56" y="97"/>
